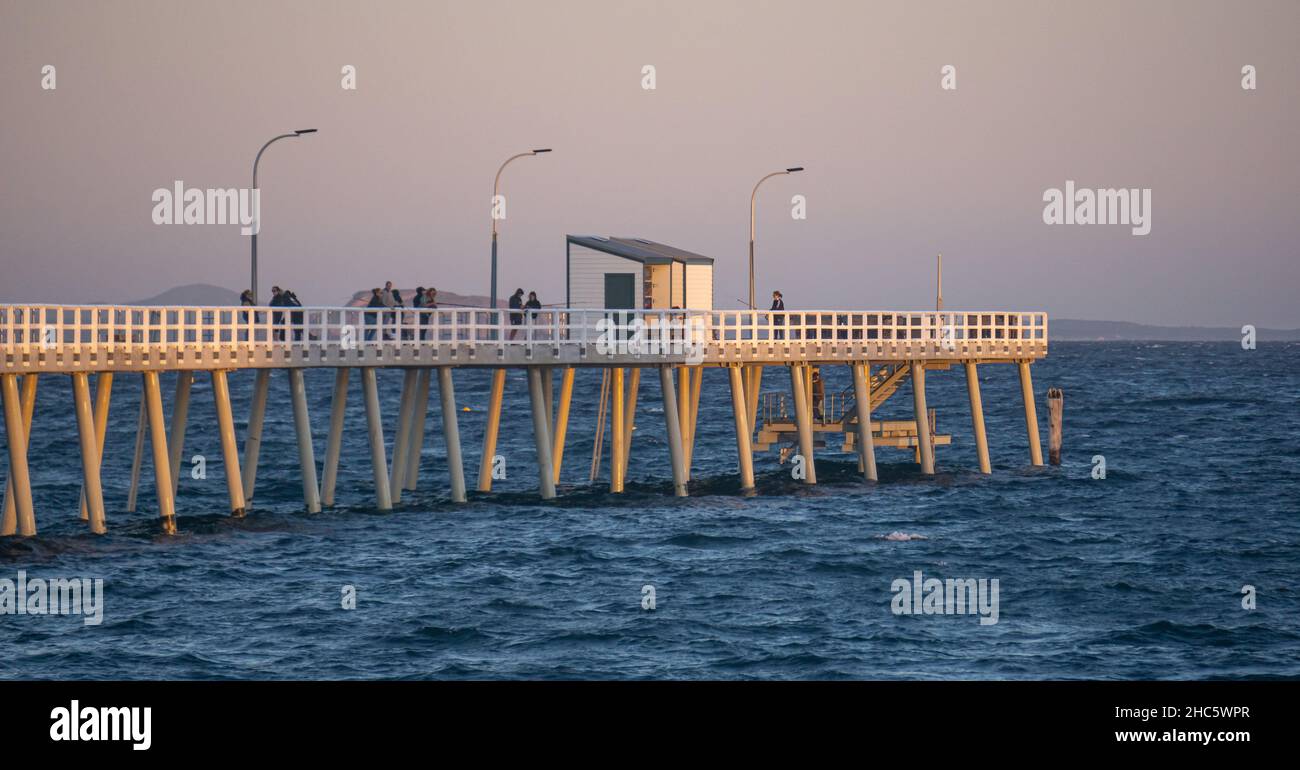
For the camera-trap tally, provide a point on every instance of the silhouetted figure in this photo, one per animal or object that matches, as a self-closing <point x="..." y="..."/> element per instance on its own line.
<point x="818" y="394"/>
<point x="430" y="303"/>
<point x="516" y="318"/>
<point x="778" y="315"/>
<point x="277" y="318"/>
<point x="372" y="316"/>
<point x="391" y="299"/>
<point x="290" y="299"/>
<point x="533" y="304"/>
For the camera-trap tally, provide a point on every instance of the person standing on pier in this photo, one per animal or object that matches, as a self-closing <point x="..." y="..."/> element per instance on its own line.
<point x="778" y="315"/>
<point x="391" y="300"/>
<point x="372" y="316"/>
<point x="516" y="303"/>
<point x="246" y="300"/>
<point x="295" y="318"/>
<point x="533" y="304"/>
<point x="277" y="318"/>
<point x="430" y="302"/>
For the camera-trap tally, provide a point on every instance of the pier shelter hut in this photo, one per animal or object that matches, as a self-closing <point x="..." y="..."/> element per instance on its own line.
<point x="635" y="274"/>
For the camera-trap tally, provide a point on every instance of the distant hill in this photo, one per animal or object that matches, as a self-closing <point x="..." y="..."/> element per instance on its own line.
<point x="1075" y="329"/>
<point x="193" y="294"/>
<point x="207" y="294"/>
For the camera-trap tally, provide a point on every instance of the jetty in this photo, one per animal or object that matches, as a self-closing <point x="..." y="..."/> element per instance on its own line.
<point x="882" y="349"/>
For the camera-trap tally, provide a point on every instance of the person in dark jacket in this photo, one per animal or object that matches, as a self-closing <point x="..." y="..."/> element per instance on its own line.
<point x="778" y="315"/>
<point x="295" y="317"/>
<point x="277" y="318"/>
<point x="372" y="316"/>
<point x="429" y="303"/>
<point x="246" y="300"/>
<point x="818" y="394"/>
<point x="533" y="304"/>
<point x="516" y="303"/>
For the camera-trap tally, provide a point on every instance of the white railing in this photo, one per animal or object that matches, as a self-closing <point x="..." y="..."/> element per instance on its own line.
<point x="44" y="327"/>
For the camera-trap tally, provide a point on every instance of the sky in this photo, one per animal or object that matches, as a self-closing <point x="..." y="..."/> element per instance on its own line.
<point x="397" y="183"/>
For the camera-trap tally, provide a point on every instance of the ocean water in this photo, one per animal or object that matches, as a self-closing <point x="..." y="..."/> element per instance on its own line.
<point x="1138" y="575"/>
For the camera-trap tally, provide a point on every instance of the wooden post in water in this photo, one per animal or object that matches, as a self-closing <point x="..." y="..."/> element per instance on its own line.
<point x="334" y="443"/>
<point x="253" y="439"/>
<point x="94" y="493"/>
<point x="402" y="434"/>
<point x="17" y="432"/>
<point x="684" y="413"/>
<point x="862" y="399"/>
<point x="28" y="406"/>
<point x="629" y="418"/>
<point x="306" y="451"/>
<point x="923" y="441"/>
<point x="616" y="438"/>
<point x="755" y="388"/>
<point x="161" y="459"/>
<point x="229" y="444"/>
<point x="180" y="419"/>
<point x="562" y="420"/>
<point x="977" y="417"/>
<point x="1031" y="414"/>
<point x="421" y="416"/>
<point x="673" y="423"/>
<point x="697" y="382"/>
<point x="137" y="461"/>
<point x="803" y="421"/>
<point x="375" y="432"/>
<point x="451" y="433"/>
<point x="740" y="415"/>
<point x="548" y="394"/>
<point x="541" y="433"/>
<point x="1055" y="410"/>
<point x="493" y="428"/>
<point x="103" y="395"/>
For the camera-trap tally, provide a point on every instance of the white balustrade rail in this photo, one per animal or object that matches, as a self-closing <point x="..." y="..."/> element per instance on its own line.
<point x="39" y="329"/>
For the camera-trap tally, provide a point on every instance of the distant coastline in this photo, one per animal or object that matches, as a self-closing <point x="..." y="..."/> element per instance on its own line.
<point x="1076" y="330"/>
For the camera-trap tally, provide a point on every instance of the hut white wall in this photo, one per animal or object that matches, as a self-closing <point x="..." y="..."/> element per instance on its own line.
<point x="660" y="275"/>
<point x="699" y="287"/>
<point x="587" y="268"/>
<point x="679" y="284"/>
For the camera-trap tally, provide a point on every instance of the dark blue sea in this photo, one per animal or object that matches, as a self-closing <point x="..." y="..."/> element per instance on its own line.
<point x="1137" y="575"/>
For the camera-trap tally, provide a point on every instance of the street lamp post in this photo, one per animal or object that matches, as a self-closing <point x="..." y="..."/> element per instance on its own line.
<point x="753" y="198"/>
<point x="496" y="186"/>
<point x="258" y="225"/>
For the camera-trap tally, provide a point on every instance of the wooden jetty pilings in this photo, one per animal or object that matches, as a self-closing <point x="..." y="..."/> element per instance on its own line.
<point x="881" y="349"/>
